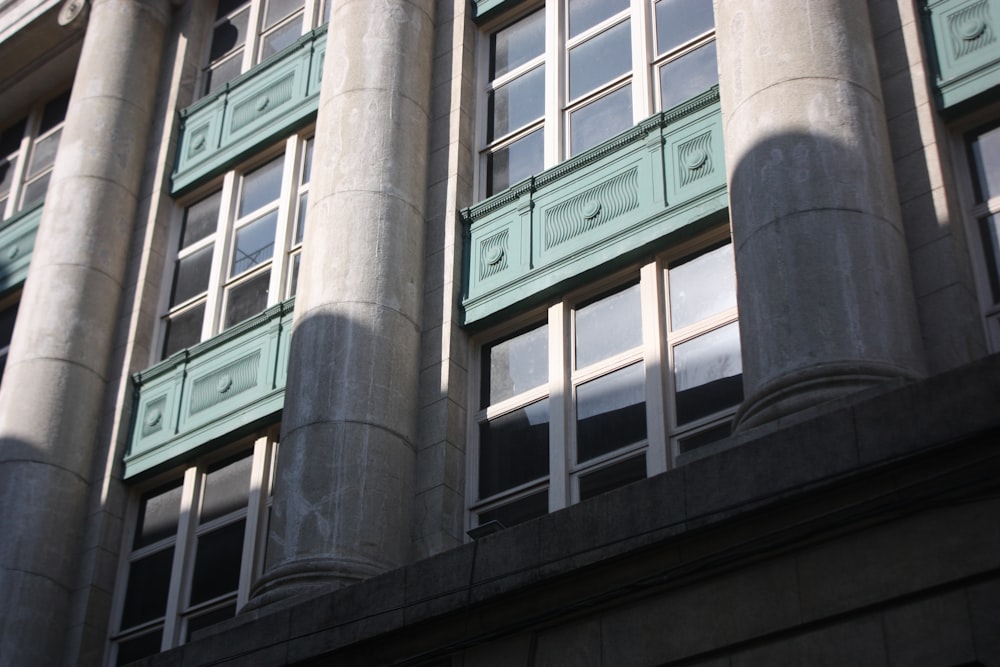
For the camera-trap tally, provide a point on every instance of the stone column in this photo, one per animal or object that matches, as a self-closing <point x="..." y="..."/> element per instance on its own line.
<point x="344" y="483"/>
<point x="54" y="383"/>
<point x="825" y="299"/>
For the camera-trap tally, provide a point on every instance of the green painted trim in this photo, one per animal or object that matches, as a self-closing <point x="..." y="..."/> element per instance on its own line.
<point x="257" y="108"/>
<point x="964" y="36"/>
<point x="210" y="390"/>
<point x="17" y="243"/>
<point x="483" y="10"/>
<point x="588" y="213"/>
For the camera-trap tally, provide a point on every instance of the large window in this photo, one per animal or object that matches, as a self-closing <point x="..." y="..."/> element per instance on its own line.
<point x="984" y="155"/>
<point x="248" y="32"/>
<point x="565" y="77"/>
<point x="27" y="153"/>
<point x="238" y="246"/>
<point x="195" y="545"/>
<point x="609" y="386"/>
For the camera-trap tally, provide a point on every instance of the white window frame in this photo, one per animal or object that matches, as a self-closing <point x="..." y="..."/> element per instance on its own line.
<point x="264" y="451"/>
<point x="663" y="434"/>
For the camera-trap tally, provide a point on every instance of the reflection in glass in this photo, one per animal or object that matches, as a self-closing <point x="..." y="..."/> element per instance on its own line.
<point x="612" y="476"/>
<point x="222" y="74"/>
<point x="702" y="286"/>
<point x="515" y="162"/>
<point x="515" y="365"/>
<point x="600" y="120"/>
<point x="158" y="513"/>
<point x="517" y="44"/>
<point x="200" y="219"/>
<point x="986" y="155"/>
<point x="680" y="21"/>
<point x="247" y="298"/>
<point x="608" y="326"/>
<point x="708" y="373"/>
<point x="227" y="487"/>
<point x="610" y="412"/>
<point x="34" y="192"/>
<point x="217" y="562"/>
<point x="44" y="153"/>
<point x="279" y="9"/>
<point x="685" y="77"/>
<point x="514" y="448"/>
<point x="600" y="59"/>
<point x="261" y="186"/>
<point x="280" y="38"/>
<point x="183" y="330"/>
<point x="254" y="243"/>
<point x="516" y="103"/>
<point x="519" y="511"/>
<point x="584" y="14"/>
<point x="191" y="275"/>
<point x="229" y="35"/>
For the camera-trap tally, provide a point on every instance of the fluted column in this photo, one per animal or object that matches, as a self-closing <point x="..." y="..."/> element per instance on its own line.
<point x="344" y="484"/>
<point x="55" y="380"/>
<point x="826" y="304"/>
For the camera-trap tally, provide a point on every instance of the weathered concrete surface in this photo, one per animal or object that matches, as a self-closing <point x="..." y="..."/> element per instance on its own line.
<point x="344" y="484"/>
<point x="54" y="383"/>
<point x="825" y="297"/>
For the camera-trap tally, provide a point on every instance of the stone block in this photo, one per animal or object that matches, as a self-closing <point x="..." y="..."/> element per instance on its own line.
<point x="851" y="642"/>
<point x="577" y="643"/>
<point x="505" y="561"/>
<point x="984" y="611"/>
<point x="438" y="585"/>
<point x="929" y="632"/>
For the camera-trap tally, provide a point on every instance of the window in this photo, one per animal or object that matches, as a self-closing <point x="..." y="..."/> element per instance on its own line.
<point x="238" y="247"/>
<point x="195" y="546"/>
<point x="568" y="76"/>
<point x="27" y="153"/>
<point x="8" y="315"/>
<point x="248" y="32"/>
<point x="984" y="157"/>
<point x="578" y="402"/>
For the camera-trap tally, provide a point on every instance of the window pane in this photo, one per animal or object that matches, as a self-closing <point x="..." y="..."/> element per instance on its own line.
<point x="515" y="365"/>
<point x="702" y="286"/>
<point x="208" y="618"/>
<point x="7" y="318"/>
<point x="254" y="243"/>
<point x="217" y="562"/>
<point x="6" y="176"/>
<point x="261" y="186"/>
<point x="517" y="44"/>
<point x="680" y="21"/>
<point x="34" y="192"/>
<point x="584" y="14"/>
<point x="247" y="298"/>
<point x="227" y="486"/>
<point x="516" y="103"/>
<point x="142" y="646"/>
<point x="989" y="228"/>
<point x="191" y="275"/>
<point x="229" y="6"/>
<point x="146" y="591"/>
<point x="514" y="449"/>
<point x="300" y="223"/>
<point x="183" y="330"/>
<point x="294" y="282"/>
<point x="281" y="38"/>
<point x="222" y="74"/>
<point x="613" y="476"/>
<point x="610" y="412"/>
<point x="608" y="326"/>
<point x="515" y="162"/>
<point x="158" y="512"/>
<point x="279" y="9"/>
<point x="600" y="59"/>
<point x="229" y="35"/>
<point x="685" y="77"/>
<point x="54" y="113"/>
<point x="600" y="120"/>
<point x="200" y="219"/>
<point x="701" y="438"/>
<point x="44" y="153"/>
<point x="307" y="161"/>
<point x="708" y="373"/>
<point x="518" y="511"/>
<point x="10" y="139"/>
<point x="986" y="155"/>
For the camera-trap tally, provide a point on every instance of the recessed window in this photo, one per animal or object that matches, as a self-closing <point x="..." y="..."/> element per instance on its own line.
<point x="27" y="154"/>
<point x="238" y="247"/>
<point x="607" y="388"/>
<point x="566" y="77"/>
<point x="983" y="146"/>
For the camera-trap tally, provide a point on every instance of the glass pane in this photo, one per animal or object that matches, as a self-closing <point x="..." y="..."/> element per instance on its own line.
<point x="586" y="13"/>
<point x="229" y="35"/>
<point x="610" y="412"/>
<point x="279" y="9"/>
<point x="191" y="275"/>
<point x="147" y="588"/>
<point x="54" y="113"/>
<point x="515" y="365"/>
<point x="44" y="153"/>
<point x="680" y="21"/>
<point x="989" y="229"/>
<point x="600" y="59"/>
<point x="708" y="373"/>
<point x="685" y="77"/>
<point x="139" y="647"/>
<point x="200" y="219"/>
<point x="608" y="326"/>
<point x="281" y="38"/>
<point x="7" y="318"/>
<point x="158" y="512"/>
<point x="701" y="438"/>
<point x="222" y="74"/>
<point x="34" y="192"/>
<point x="6" y="175"/>
<point x="229" y="6"/>
<point x="307" y="161"/>
<point x="517" y="44"/>
<point x="516" y="103"/>
<point x="202" y="621"/>
<point x="300" y="223"/>
<point x="515" y="162"/>
<point x="613" y="476"/>
<point x="217" y="562"/>
<point x="254" y="243"/>
<point x="986" y="155"/>
<point x="601" y="120"/>
<point x="227" y="486"/>
<point x="183" y="330"/>
<point x="514" y="449"/>
<point x="294" y="282"/>
<point x="518" y="511"/>
<point x="246" y="299"/>
<point x="10" y="138"/>
<point x="702" y="286"/>
<point x="261" y="186"/>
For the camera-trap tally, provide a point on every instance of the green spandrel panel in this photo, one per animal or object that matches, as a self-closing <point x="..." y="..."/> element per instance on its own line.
<point x="964" y="36"/>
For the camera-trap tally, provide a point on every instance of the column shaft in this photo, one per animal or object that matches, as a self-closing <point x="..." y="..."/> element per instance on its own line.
<point x="344" y="483"/>
<point x="826" y="303"/>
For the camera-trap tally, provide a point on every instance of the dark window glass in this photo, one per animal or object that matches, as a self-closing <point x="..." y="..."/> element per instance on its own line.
<point x="247" y="298"/>
<point x="227" y="487"/>
<point x="514" y="365"/>
<point x="989" y="229"/>
<point x="6" y="177"/>
<point x="147" y="588"/>
<point x="183" y="330"/>
<point x="191" y="275"/>
<point x="515" y="162"/>
<point x="209" y="618"/>
<point x="139" y="647"/>
<point x="254" y="243"/>
<point x="516" y="103"/>
<point x="986" y="159"/>
<point x="7" y="318"/>
<point x="10" y="139"/>
<point x="701" y="438"/>
<point x="158" y="513"/>
<point x="514" y="448"/>
<point x="229" y="6"/>
<point x="261" y="186"/>
<point x="229" y="35"/>
<point x="217" y="562"/>
<point x="518" y="511"/>
<point x="612" y="476"/>
<point x="610" y="412"/>
<point x="680" y="21"/>
<point x="517" y="44"/>
<point x="201" y="219"/>
<point x="708" y="373"/>
<point x="54" y="113"/>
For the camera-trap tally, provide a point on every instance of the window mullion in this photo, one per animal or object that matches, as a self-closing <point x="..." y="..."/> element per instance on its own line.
<point x="255" y="525"/>
<point x="642" y="93"/>
<point x="554" y="82"/>
<point x="653" y="326"/>
<point x="21" y="165"/>
<point x="180" y="570"/>
<point x="217" y="279"/>
<point x="282" y="232"/>
<point x="560" y="410"/>
<point x="253" y="35"/>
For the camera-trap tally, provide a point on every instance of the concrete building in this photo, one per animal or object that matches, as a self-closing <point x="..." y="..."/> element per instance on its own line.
<point x="593" y="332"/>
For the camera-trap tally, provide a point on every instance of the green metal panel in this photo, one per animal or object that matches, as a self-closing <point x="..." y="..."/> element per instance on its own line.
<point x="485" y="9"/>
<point x="17" y="241"/>
<point x="612" y="201"/>
<point x="251" y="111"/>
<point x="965" y="38"/>
<point x="210" y="390"/>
